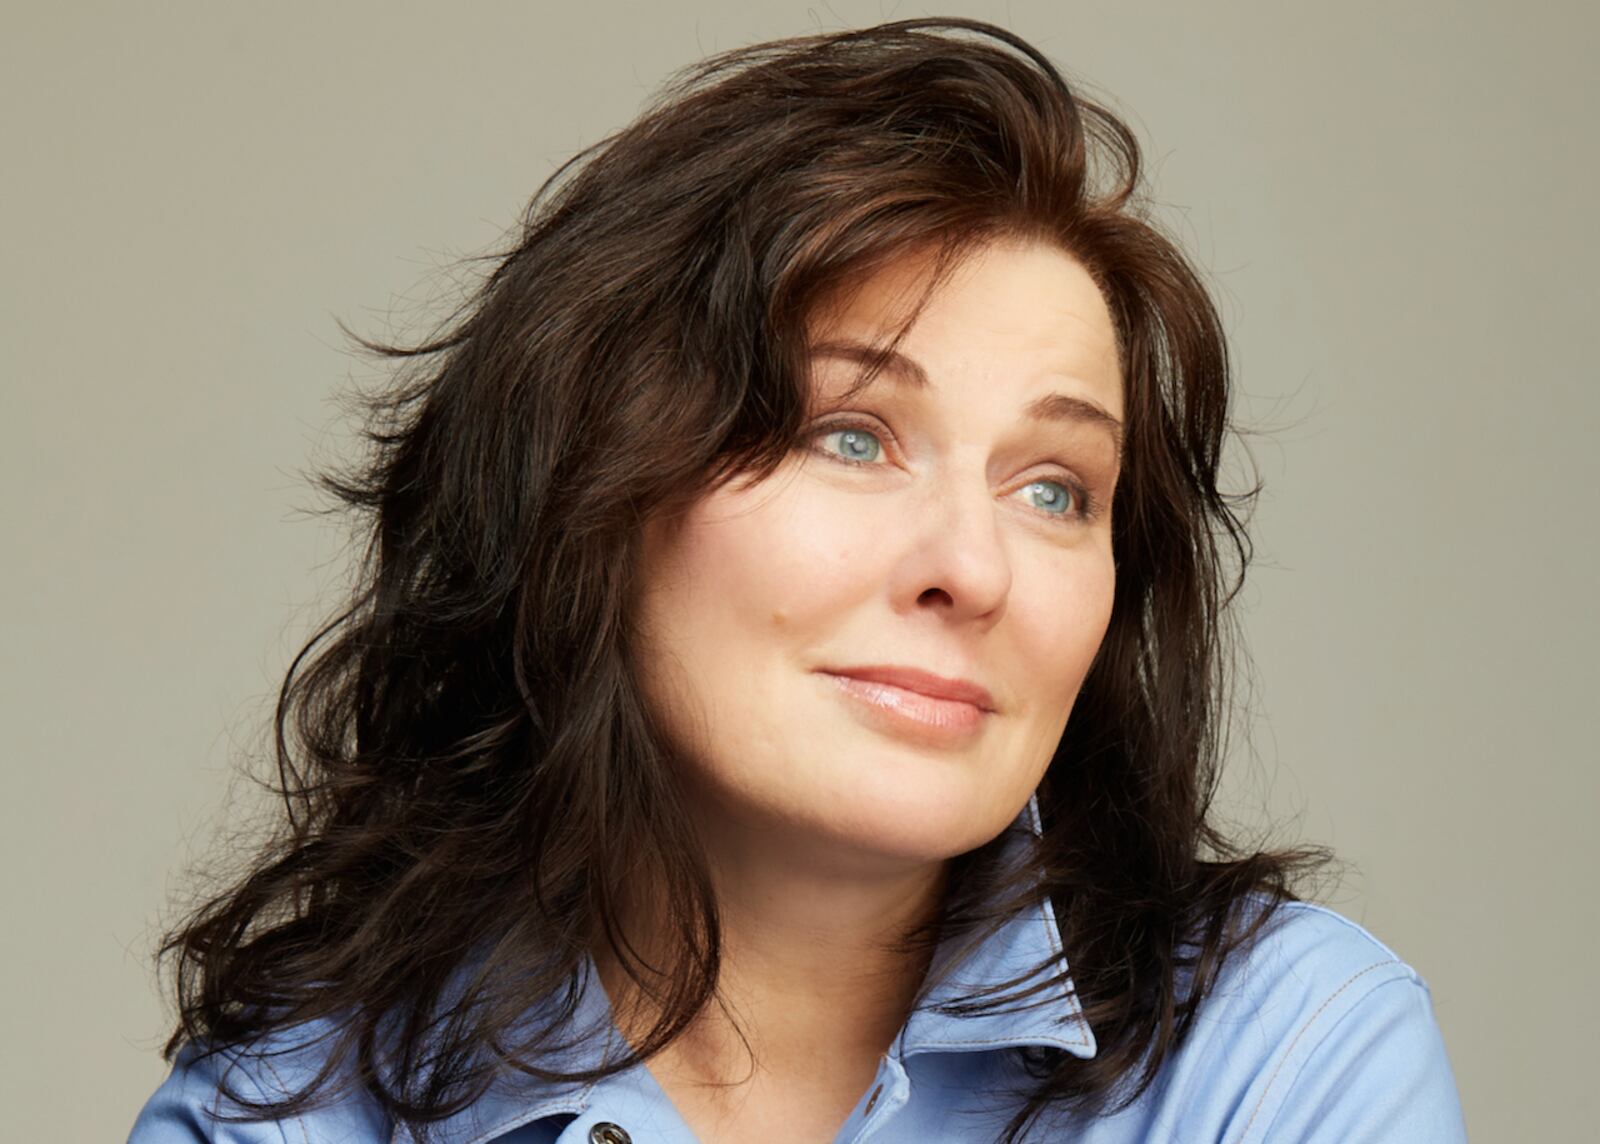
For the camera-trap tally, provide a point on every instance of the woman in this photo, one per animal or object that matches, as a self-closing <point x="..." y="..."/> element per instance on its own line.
<point x="783" y="695"/>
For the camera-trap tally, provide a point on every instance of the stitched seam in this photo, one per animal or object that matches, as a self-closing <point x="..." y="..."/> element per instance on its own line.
<point x="525" y="1117"/>
<point x="990" y="1042"/>
<point x="1052" y="927"/>
<point x="1305" y="907"/>
<point x="300" y="1120"/>
<point x="1289" y="1052"/>
<point x="1052" y="933"/>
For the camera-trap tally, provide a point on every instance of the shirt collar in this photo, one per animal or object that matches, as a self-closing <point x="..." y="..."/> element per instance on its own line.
<point x="1025" y="952"/>
<point x="1006" y="959"/>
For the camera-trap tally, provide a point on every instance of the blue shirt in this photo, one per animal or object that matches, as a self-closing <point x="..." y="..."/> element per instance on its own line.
<point x="1319" y="1034"/>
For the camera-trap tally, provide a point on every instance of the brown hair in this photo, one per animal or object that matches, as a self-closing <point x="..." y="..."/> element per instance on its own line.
<point x="458" y="747"/>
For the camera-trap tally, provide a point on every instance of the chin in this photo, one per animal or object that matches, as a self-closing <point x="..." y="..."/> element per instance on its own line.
<point x="923" y="821"/>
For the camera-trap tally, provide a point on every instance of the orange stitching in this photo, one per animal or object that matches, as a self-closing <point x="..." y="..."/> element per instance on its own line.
<point x="300" y="1120"/>
<point x="1287" y="1053"/>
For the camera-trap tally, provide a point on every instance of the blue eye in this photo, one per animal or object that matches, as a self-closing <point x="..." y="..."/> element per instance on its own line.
<point x="1057" y="493"/>
<point x="860" y="445"/>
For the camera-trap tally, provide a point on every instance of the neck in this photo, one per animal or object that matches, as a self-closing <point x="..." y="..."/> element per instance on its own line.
<point x="808" y="971"/>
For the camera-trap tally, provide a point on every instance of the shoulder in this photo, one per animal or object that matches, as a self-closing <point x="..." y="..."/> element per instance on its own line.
<point x="1317" y="1030"/>
<point x="1308" y="954"/>
<point x="198" y="1100"/>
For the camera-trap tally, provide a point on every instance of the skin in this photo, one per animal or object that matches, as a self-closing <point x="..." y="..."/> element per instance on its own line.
<point x="828" y="832"/>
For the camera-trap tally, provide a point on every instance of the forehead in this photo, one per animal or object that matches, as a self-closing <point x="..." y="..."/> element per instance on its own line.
<point x="1010" y="305"/>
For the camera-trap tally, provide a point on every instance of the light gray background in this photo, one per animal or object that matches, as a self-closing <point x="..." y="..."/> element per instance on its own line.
<point x="1393" y="201"/>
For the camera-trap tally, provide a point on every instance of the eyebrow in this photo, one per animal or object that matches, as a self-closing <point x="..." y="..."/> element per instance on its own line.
<point x="1050" y="407"/>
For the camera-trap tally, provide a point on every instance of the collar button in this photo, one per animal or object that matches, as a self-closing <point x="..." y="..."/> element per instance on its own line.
<point x="606" y="1132"/>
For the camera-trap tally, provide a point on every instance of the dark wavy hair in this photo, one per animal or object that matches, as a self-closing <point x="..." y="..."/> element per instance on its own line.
<point x="459" y="749"/>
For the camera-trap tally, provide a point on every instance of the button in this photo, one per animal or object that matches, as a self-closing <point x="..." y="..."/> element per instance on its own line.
<point x="872" y="1100"/>
<point x="608" y="1133"/>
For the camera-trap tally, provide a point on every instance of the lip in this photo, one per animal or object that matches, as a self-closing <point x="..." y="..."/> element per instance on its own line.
<point x="910" y="716"/>
<point x="922" y="682"/>
<point x="914" y="705"/>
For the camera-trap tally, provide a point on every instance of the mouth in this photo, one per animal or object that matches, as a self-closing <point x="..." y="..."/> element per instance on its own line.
<point x="914" y="679"/>
<point x="906" y="713"/>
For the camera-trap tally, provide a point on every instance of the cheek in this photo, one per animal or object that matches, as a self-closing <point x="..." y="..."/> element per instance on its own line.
<point x="734" y="610"/>
<point x="746" y="587"/>
<point x="1066" y="610"/>
<point x="754" y="564"/>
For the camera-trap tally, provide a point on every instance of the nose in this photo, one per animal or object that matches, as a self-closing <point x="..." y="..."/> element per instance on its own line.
<point x="957" y="557"/>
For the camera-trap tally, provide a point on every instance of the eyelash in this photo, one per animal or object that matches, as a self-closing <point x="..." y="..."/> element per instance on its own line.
<point x="1088" y="507"/>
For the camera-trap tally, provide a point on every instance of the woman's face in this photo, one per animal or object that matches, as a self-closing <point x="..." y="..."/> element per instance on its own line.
<point x="952" y="526"/>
